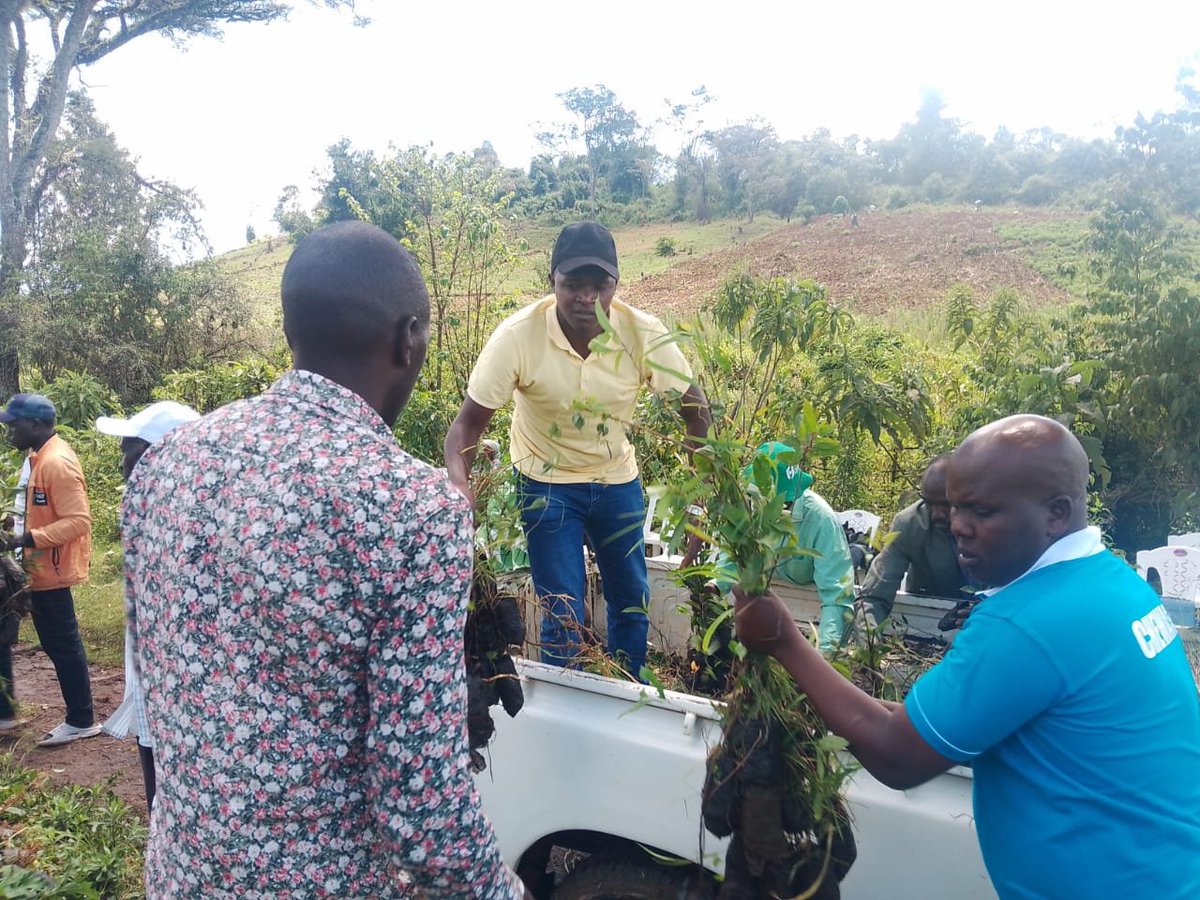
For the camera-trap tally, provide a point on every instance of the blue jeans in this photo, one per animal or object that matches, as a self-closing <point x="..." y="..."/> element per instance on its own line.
<point x="556" y="518"/>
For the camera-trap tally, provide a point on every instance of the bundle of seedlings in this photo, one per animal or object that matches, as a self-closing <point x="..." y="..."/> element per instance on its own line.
<point x="775" y="781"/>
<point x="710" y="654"/>
<point x="885" y="662"/>
<point x="494" y="628"/>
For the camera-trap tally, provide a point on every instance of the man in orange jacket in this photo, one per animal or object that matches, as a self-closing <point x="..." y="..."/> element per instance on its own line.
<point x="57" y="545"/>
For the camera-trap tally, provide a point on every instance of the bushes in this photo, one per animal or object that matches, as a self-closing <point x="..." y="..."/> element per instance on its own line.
<point x="1038" y="190"/>
<point x="100" y="457"/>
<point x="421" y="428"/>
<point x="935" y="189"/>
<point x="66" y="842"/>
<point x="213" y="387"/>
<point x="79" y="399"/>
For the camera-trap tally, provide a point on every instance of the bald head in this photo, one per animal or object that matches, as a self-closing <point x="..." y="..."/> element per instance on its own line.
<point x="345" y="288"/>
<point x="1048" y="457"/>
<point x="1015" y="487"/>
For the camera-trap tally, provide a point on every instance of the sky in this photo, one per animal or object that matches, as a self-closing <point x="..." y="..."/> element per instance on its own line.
<point x="239" y="119"/>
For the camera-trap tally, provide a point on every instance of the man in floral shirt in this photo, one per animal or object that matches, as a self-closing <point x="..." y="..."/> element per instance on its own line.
<point x="298" y="586"/>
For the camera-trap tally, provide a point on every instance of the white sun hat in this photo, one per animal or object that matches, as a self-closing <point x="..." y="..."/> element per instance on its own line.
<point x="151" y="423"/>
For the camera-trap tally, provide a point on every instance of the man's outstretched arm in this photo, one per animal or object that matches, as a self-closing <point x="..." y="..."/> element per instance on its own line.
<point x="462" y="443"/>
<point x="880" y="735"/>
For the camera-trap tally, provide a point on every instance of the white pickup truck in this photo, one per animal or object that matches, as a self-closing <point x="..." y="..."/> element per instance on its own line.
<point x="615" y="770"/>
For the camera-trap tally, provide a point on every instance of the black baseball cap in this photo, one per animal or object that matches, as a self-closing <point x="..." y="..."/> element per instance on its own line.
<point x="584" y="244"/>
<point x="28" y="406"/>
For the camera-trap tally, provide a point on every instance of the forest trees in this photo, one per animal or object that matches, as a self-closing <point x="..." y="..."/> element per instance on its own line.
<point x="99" y="293"/>
<point x="618" y="158"/>
<point x="449" y="211"/>
<point x="69" y="35"/>
<point x="1147" y="309"/>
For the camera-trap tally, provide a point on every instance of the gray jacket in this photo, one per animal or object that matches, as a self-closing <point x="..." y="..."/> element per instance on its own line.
<point x="926" y="553"/>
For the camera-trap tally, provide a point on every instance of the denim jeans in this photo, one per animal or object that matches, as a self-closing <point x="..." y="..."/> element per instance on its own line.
<point x="556" y="518"/>
<point x="58" y="631"/>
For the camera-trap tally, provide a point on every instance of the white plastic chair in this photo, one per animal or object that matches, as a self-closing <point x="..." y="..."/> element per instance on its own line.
<point x="859" y="521"/>
<point x="652" y="538"/>
<point x="1178" y="570"/>
<point x="1191" y="539"/>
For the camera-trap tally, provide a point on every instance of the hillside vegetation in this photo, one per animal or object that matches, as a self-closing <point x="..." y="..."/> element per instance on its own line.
<point x="890" y="260"/>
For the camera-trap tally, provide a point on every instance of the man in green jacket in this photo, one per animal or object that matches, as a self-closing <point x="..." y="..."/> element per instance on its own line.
<point x="919" y="546"/>
<point x="818" y="529"/>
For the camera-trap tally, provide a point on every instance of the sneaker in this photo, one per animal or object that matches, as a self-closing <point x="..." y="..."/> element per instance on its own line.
<point x="65" y="734"/>
<point x="9" y="724"/>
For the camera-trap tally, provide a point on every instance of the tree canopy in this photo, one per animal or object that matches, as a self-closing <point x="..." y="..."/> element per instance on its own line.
<point x="42" y="42"/>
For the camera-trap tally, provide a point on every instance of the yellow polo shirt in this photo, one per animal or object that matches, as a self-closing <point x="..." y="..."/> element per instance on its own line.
<point x="558" y="433"/>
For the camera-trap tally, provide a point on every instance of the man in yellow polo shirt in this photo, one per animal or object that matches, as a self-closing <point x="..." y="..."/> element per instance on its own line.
<point x="573" y="398"/>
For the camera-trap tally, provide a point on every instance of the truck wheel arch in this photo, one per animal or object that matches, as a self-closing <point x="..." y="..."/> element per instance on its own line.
<point x="614" y="860"/>
<point x="608" y="878"/>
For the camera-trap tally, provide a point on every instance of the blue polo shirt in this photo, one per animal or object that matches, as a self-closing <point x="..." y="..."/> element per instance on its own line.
<point x="1070" y="694"/>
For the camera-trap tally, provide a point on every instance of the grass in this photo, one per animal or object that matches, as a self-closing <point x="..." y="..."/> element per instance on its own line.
<point x="66" y="841"/>
<point x="1055" y="248"/>
<point x="258" y="267"/>
<point x="100" y="609"/>
<point x="927" y="321"/>
<point x="636" y="248"/>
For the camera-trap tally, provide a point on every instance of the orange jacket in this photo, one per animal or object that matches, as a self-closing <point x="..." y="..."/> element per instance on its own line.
<point x="59" y="518"/>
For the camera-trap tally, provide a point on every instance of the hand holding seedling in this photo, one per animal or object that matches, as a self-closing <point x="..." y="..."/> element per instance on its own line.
<point x="763" y="622"/>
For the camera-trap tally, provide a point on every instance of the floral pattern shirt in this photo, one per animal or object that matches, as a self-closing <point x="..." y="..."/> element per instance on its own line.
<point x="297" y="586"/>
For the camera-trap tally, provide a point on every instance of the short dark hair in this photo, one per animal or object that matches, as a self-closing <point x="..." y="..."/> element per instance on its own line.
<point x="940" y="460"/>
<point x="343" y="288"/>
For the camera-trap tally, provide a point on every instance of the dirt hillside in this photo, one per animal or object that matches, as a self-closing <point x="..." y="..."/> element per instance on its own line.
<point x="887" y="261"/>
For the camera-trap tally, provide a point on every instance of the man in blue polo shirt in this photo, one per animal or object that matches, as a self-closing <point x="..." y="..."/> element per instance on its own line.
<point x="1068" y="689"/>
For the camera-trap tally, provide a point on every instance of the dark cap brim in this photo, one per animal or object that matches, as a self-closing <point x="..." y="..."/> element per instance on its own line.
<point x="6" y="417"/>
<point x="578" y="262"/>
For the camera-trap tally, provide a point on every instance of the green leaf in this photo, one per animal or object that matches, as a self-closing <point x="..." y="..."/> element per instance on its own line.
<point x="649" y="676"/>
<point x="706" y="642"/>
<point x="664" y="859"/>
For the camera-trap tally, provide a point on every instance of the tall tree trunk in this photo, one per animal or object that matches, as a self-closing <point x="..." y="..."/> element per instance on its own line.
<point x="12" y="257"/>
<point x="10" y="324"/>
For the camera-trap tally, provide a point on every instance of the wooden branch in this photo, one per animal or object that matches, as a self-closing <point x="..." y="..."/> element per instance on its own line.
<point x="7" y="201"/>
<point x="20" y="67"/>
<point x="189" y="17"/>
<point x="52" y="99"/>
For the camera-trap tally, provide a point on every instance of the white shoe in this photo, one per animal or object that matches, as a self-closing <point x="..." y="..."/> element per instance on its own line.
<point x="65" y="734"/>
<point x="9" y="724"/>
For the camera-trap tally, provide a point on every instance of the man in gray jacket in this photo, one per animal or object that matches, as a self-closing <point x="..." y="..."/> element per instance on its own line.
<point x="919" y="545"/>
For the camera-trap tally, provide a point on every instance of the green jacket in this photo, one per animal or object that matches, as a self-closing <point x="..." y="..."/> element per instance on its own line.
<point x="832" y="571"/>
<point x="925" y="553"/>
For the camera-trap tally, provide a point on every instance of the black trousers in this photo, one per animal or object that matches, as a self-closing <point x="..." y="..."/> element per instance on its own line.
<point x="58" y="632"/>
<point x="146" y="758"/>
<point x="7" y="709"/>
